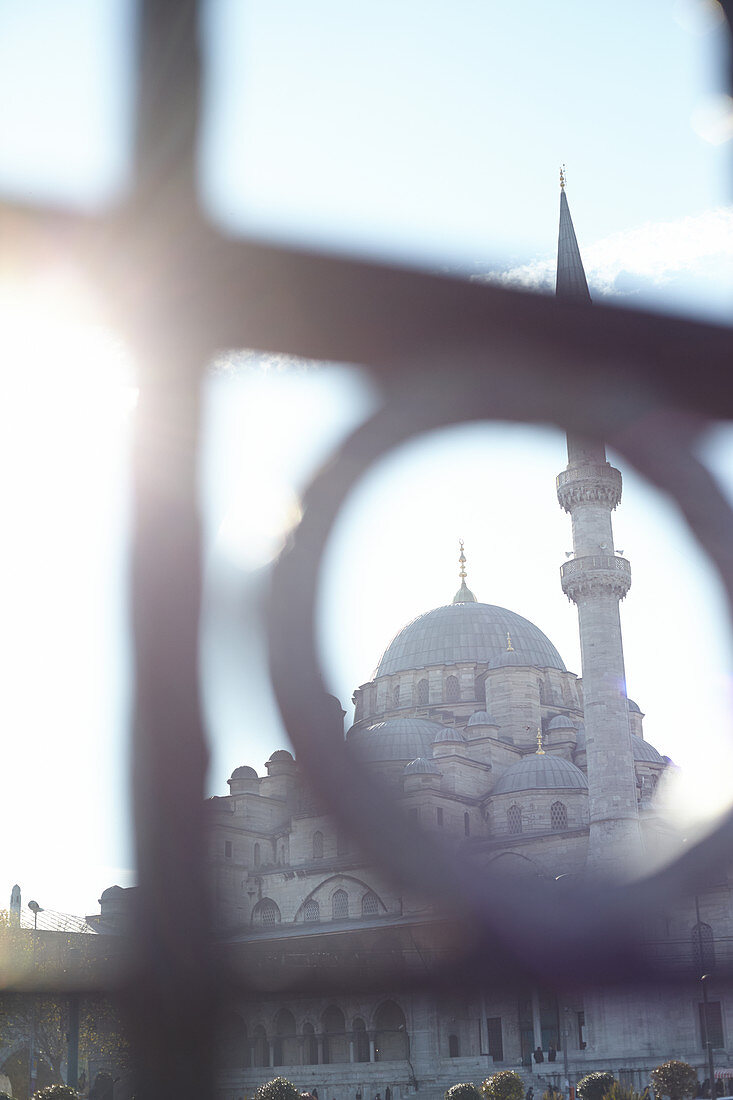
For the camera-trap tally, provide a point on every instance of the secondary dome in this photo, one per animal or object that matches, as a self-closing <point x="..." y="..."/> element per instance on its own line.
<point x="541" y="771"/>
<point x="645" y="752"/>
<point x="244" y="772"/>
<point x="394" y="739"/>
<point x="421" y="766"/>
<point x="474" y="632"/>
<point x="562" y="722"/>
<point x="481" y="718"/>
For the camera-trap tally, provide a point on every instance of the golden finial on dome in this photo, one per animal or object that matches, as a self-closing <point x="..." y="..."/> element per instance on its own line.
<point x="464" y="594"/>
<point x="563" y="177"/>
<point x="509" y="646"/>
<point x="540" y="750"/>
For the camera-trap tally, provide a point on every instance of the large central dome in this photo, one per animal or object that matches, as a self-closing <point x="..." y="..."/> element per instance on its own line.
<point x="475" y="632"/>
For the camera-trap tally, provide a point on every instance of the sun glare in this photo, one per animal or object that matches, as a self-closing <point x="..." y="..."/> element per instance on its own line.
<point x="67" y="393"/>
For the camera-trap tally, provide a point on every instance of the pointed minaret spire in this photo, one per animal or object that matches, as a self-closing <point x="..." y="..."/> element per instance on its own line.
<point x="596" y="579"/>
<point x="464" y="593"/>
<point x="571" y="281"/>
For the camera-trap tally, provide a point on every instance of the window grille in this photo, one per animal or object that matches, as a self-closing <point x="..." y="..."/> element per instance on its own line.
<point x="452" y="690"/>
<point x="340" y="905"/>
<point x="423" y="693"/>
<point x="558" y="816"/>
<point x="394" y="317"/>
<point x="266" y="912"/>
<point x="496" y="1041"/>
<point x="318" y="845"/>
<point x="714" y="1020"/>
<point x="311" y="910"/>
<point x="369" y="905"/>
<point x="396" y="696"/>
<point x="514" y="819"/>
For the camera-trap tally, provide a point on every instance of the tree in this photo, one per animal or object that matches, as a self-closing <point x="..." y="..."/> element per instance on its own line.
<point x="47" y="1016"/>
<point x="56" y="1092"/>
<point x="462" y="1092"/>
<point x="594" y="1086"/>
<point x="618" y="1091"/>
<point x="505" y="1085"/>
<point x="674" y="1079"/>
<point x="278" y="1089"/>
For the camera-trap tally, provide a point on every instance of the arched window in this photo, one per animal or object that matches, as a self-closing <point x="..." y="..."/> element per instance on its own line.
<point x="369" y="905"/>
<point x="452" y="690"/>
<point x="311" y="910"/>
<point x="454" y="1047"/>
<point x="514" y="819"/>
<point x="558" y="816"/>
<point x="342" y="843"/>
<point x="260" y="1047"/>
<point x="423" y="693"/>
<point x="467" y="824"/>
<point x="361" y="1041"/>
<point x="396" y="695"/>
<point x="335" y="1040"/>
<point x="310" y="1046"/>
<point x="266" y="912"/>
<point x="703" y="949"/>
<point x="318" y="845"/>
<point x="257" y="855"/>
<point x="340" y="905"/>
<point x="479" y="690"/>
<point x="391" y="1042"/>
<point x="285" y="1045"/>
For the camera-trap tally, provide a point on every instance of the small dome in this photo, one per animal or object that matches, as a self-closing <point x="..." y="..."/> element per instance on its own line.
<point x="448" y="734"/>
<point x="281" y="756"/>
<point x="481" y="718"/>
<point x="421" y="766"/>
<point x="634" y="706"/>
<point x="394" y="739"/>
<point x="562" y="722"/>
<point x="645" y="752"/>
<point x="541" y="771"/>
<point x="244" y="772"/>
<point x="111" y="892"/>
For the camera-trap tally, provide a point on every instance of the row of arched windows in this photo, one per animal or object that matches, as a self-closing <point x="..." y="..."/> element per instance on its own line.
<point x="558" y="818"/>
<point x="333" y="1042"/>
<point x="267" y="912"/>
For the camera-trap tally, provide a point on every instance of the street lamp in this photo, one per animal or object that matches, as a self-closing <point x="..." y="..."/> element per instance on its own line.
<point x="35" y="909"/>
<point x="704" y="979"/>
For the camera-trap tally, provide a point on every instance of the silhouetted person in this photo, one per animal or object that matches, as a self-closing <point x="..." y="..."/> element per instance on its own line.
<point x="552" y="1053"/>
<point x="538" y="1055"/>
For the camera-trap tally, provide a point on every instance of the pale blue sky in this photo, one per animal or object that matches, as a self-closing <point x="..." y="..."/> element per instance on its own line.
<point x="420" y="131"/>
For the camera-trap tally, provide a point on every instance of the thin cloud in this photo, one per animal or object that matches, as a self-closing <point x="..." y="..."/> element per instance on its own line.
<point x="655" y="253"/>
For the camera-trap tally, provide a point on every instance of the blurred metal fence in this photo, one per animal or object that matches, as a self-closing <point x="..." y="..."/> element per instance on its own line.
<point x="644" y="383"/>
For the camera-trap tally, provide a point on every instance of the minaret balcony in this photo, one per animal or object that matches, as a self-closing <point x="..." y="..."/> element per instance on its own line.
<point x="597" y="574"/>
<point x="589" y="484"/>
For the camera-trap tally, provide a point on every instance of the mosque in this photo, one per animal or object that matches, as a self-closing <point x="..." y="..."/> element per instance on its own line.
<point x="486" y="739"/>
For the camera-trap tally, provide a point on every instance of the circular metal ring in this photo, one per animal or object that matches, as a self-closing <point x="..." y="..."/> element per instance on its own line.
<point x="597" y="936"/>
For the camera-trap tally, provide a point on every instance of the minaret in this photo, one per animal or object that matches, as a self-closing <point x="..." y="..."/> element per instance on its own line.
<point x="596" y="579"/>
